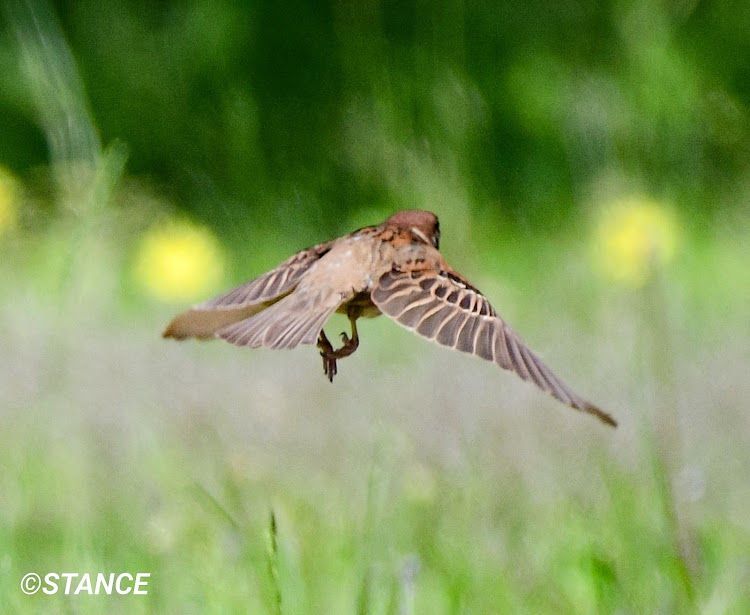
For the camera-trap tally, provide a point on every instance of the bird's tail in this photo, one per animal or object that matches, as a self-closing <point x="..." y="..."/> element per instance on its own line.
<point x="296" y="319"/>
<point x="204" y="323"/>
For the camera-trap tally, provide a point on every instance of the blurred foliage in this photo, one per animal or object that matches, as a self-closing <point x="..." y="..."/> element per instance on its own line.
<point x="245" y="113"/>
<point x="9" y="189"/>
<point x="86" y="499"/>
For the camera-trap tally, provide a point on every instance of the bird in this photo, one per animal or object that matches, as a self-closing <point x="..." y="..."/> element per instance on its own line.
<point x="395" y="269"/>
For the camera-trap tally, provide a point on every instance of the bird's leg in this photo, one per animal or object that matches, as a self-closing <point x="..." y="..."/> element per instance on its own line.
<point x="350" y="345"/>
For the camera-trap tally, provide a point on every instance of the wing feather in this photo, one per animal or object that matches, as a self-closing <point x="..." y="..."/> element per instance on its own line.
<point x="448" y="333"/>
<point x="443" y="306"/>
<point x="296" y="319"/>
<point x="275" y="283"/>
<point x="205" y="319"/>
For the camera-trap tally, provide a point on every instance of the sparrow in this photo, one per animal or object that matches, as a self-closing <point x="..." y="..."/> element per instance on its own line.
<point x="395" y="269"/>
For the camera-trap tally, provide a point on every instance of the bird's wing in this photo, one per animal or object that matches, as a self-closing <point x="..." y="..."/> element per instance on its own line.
<point x="205" y="319"/>
<point x="295" y="319"/>
<point x="439" y="304"/>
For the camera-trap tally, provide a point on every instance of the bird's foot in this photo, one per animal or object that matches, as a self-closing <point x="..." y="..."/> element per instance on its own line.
<point x="350" y="345"/>
<point x="330" y="355"/>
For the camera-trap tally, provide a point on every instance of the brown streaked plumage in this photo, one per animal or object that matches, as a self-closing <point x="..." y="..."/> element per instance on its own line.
<point x="393" y="269"/>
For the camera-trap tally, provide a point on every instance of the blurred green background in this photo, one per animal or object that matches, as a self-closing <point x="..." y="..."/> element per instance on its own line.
<point x="590" y="164"/>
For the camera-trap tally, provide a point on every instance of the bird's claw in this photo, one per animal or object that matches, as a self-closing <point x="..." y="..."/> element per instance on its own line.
<point x="324" y="345"/>
<point x="329" y="367"/>
<point x="328" y="354"/>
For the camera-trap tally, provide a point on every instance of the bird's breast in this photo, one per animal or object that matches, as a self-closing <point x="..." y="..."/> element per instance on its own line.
<point x="362" y="301"/>
<point x="351" y="267"/>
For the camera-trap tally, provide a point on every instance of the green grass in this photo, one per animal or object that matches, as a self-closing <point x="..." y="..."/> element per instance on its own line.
<point x="470" y="544"/>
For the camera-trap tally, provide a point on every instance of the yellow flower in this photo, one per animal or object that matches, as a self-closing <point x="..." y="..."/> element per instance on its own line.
<point x="9" y="197"/>
<point x="179" y="262"/>
<point x="634" y="238"/>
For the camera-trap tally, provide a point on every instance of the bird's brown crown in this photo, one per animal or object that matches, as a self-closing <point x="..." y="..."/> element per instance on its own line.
<point x="424" y="223"/>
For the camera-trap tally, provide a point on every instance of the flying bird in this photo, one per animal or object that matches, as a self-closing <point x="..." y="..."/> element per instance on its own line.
<point x="393" y="269"/>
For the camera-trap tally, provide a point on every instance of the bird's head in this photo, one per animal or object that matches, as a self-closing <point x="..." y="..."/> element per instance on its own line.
<point x="422" y="223"/>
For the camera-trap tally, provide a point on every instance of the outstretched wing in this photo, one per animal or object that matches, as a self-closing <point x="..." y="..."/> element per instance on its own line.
<point x="295" y="319"/>
<point x="442" y="306"/>
<point x="205" y="319"/>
